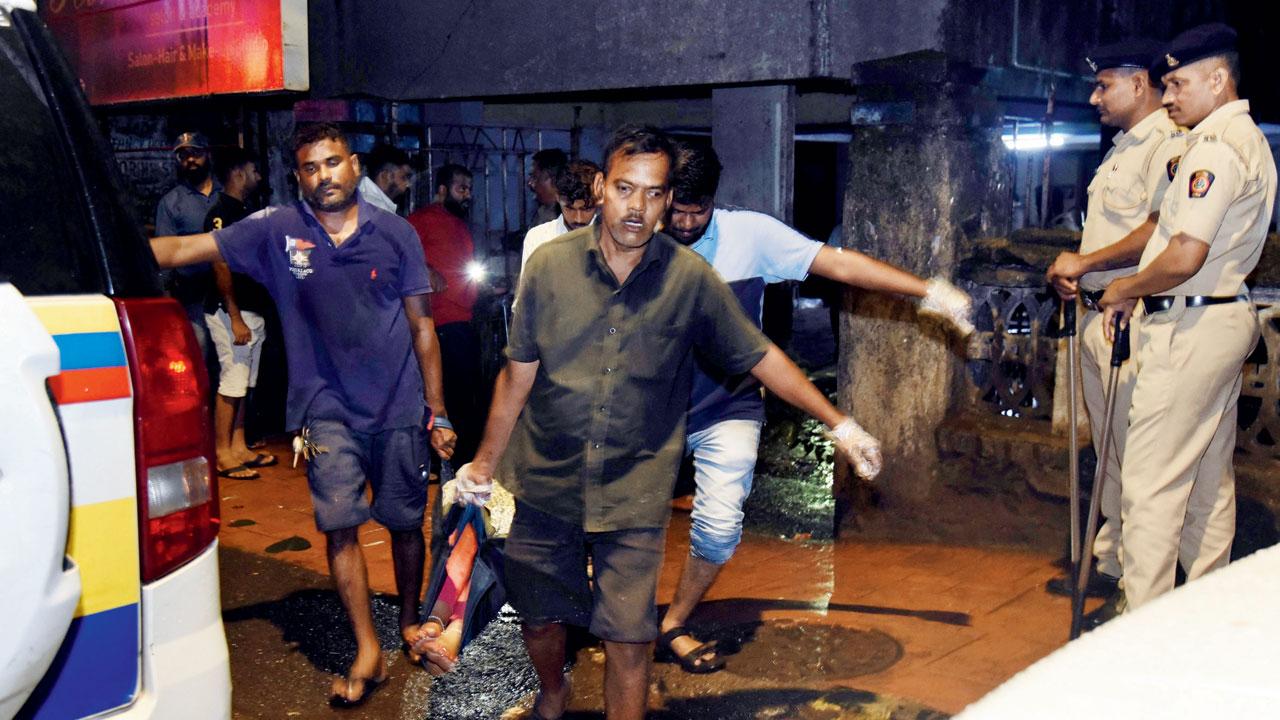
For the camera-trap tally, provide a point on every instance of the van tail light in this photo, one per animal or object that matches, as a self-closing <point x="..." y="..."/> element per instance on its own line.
<point x="173" y="435"/>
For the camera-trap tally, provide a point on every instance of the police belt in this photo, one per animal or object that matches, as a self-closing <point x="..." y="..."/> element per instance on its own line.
<point x="1160" y="303"/>
<point x="1090" y="299"/>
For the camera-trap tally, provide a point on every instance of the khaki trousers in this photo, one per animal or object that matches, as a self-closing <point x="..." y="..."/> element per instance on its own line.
<point x="1178" y="486"/>
<point x="1095" y="365"/>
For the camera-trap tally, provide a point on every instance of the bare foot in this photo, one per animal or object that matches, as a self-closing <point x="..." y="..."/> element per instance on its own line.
<point x="364" y="675"/>
<point x="553" y="704"/>
<point x="438" y="647"/>
<point x="546" y="704"/>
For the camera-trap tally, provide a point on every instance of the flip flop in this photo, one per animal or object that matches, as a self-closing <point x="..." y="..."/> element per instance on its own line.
<point x="692" y="661"/>
<point x="262" y="460"/>
<point x="230" y="473"/>
<point x="371" y="686"/>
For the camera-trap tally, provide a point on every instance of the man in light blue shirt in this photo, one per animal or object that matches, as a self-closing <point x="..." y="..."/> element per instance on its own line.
<point x="749" y="250"/>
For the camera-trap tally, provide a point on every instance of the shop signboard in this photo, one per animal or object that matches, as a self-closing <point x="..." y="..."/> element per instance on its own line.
<point x="137" y="50"/>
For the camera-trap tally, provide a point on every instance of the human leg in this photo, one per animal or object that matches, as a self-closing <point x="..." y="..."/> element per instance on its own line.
<point x="351" y="579"/>
<point x="1187" y="387"/>
<point x="395" y="464"/>
<point x="237" y="372"/>
<point x="626" y="679"/>
<point x="408" y="555"/>
<point x="626" y="565"/>
<point x="336" y="478"/>
<point x="545" y="644"/>
<point x="546" y="582"/>
<point x="227" y="399"/>
<point x="1095" y="368"/>
<point x="1210" y="522"/>
<point x="724" y="458"/>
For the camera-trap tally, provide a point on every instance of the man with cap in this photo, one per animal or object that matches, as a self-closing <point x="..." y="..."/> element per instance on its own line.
<point x="182" y="211"/>
<point x="1124" y="204"/>
<point x="1198" y="324"/>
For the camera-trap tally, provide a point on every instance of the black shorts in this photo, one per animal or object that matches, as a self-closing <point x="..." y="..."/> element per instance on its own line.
<point x="546" y="576"/>
<point x="389" y="462"/>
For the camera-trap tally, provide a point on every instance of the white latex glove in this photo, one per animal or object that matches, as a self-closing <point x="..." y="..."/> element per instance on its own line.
<point x="858" y="445"/>
<point x="949" y="302"/>
<point x="473" y="489"/>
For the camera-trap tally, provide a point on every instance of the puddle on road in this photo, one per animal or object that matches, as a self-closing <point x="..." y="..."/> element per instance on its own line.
<point x="791" y="650"/>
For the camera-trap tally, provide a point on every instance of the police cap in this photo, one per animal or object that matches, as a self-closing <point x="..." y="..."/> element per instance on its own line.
<point x="1131" y="53"/>
<point x="1195" y="44"/>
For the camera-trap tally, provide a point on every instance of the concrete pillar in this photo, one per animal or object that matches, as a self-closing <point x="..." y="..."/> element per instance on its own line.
<point x="926" y="180"/>
<point x="753" y="130"/>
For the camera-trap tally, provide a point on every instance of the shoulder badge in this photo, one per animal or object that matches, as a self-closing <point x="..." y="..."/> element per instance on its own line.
<point x="1201" y="181"/>
<point x="1171" y="167"/>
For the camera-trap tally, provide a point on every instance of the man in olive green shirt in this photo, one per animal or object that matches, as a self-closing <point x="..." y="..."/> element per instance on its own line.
<point x="600" y="361"/>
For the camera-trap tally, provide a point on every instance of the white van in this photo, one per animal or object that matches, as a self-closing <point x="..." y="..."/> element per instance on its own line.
<point x="109" y="598"/>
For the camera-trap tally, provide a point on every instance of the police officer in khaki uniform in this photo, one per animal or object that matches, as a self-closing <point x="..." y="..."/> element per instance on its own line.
<point x="1198" y="325"/>
<point x="1124" y="203"/>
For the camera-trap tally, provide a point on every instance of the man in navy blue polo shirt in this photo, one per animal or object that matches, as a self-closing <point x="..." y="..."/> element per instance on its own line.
<point x="351" y="284"/>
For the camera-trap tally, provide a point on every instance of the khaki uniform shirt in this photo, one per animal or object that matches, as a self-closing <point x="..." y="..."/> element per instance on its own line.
<point x="602" y="434"/>
<point x="1128" y="186"/>
<point x="1222" y="194"/>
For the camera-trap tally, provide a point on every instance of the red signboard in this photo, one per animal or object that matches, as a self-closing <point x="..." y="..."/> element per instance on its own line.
<point x="131" y="50"/>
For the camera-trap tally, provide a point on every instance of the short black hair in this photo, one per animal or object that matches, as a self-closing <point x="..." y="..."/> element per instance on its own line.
<point x="551" y="160"/>
<point x="382" y="156"/>
<point x="575" y="181"/>
<point x="1231" y="59"/>
<point x="447" y="172"/>
<point x="228" y="159"/>
<point x="640" y="140"/>
<point x="696" y="175"/>
<point x="318" y="132"/>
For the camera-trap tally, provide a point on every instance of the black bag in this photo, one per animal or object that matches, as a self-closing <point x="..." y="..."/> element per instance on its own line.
<point x="487" y="595"/>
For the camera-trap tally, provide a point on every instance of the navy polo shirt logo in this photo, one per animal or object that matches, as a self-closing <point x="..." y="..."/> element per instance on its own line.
<point x="299" y="251"/>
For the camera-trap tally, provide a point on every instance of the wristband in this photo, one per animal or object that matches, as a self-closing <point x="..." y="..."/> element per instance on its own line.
<point x="441" y="422"/>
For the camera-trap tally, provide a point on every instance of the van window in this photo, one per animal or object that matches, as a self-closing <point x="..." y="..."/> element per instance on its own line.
<point x="44" y="234"/>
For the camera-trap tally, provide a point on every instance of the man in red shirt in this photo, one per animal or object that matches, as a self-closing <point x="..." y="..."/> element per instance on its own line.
<point x="446" y="240"/>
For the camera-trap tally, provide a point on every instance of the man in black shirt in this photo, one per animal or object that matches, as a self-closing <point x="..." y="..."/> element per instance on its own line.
<point x="233" y="312"/>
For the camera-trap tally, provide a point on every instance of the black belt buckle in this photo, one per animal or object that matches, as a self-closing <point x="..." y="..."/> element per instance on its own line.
<point x="1090" y="299"/>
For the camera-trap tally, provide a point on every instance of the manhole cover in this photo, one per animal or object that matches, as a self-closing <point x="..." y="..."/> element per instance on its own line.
<point x="791" y="650"/>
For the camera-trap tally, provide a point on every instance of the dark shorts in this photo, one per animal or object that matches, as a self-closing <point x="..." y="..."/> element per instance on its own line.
<point x="546" y="576"/>
<point x="390" y="461"/>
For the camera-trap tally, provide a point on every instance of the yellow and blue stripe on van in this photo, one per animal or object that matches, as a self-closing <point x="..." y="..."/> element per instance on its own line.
<point x="97" y="667"/>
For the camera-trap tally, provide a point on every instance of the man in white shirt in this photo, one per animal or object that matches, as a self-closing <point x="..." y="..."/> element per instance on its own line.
<point x="388" y="175"/>
<point x="577" y="206"/>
